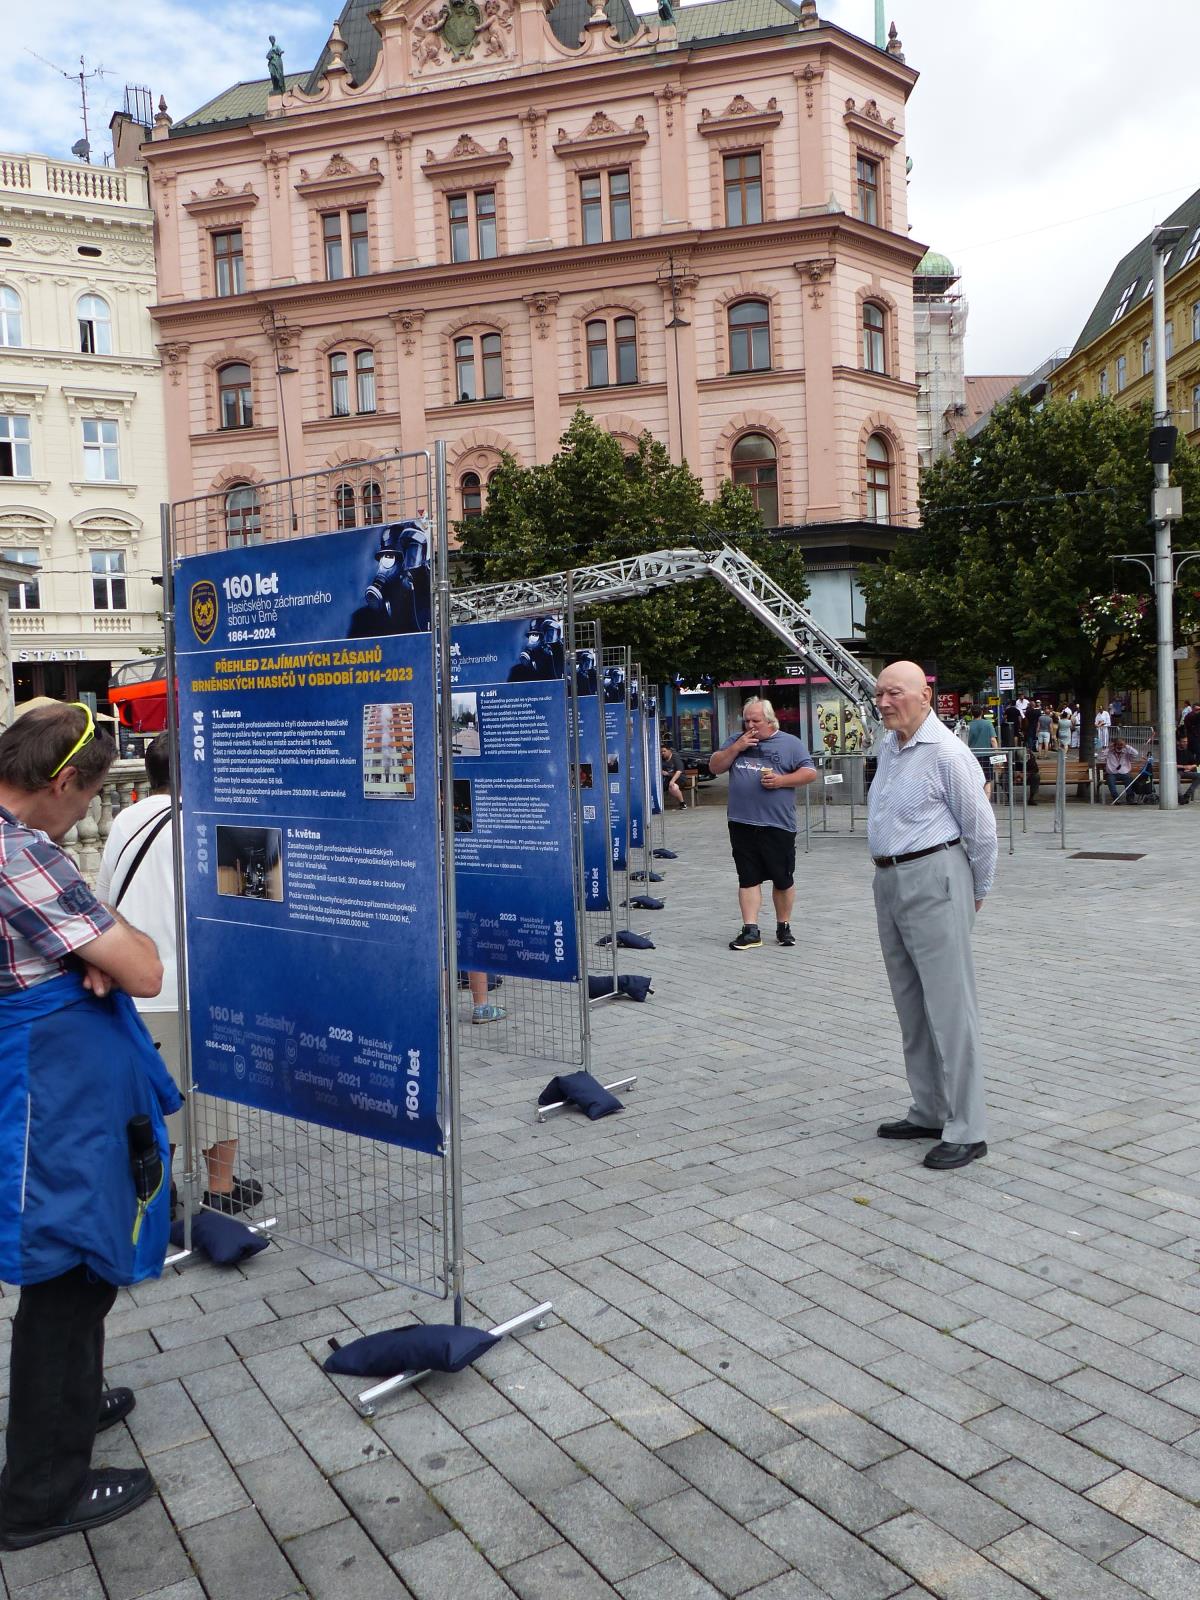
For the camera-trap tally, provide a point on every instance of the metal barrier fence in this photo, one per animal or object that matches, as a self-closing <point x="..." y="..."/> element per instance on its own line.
<point x="395" y="1211"/>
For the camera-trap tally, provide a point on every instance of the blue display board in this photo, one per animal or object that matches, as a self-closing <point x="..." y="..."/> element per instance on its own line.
<point x="637" y="763"/>
<point x="513" y="877"/>
<point x="654" y="760"/>
<point x="616" y="724"/>
<point x="308" y="769"/>
<point x="593" y="782"/>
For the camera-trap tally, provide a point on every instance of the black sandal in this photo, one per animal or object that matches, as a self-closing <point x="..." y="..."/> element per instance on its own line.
<point x="115" y="1406"/>
<point x="108" y="1493"/>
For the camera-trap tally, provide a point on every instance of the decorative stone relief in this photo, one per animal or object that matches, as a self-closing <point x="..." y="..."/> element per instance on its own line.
<point x="542" y="308"/>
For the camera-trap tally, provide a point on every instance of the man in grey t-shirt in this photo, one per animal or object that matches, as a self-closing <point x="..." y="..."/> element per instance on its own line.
<point x="765" y="769"/>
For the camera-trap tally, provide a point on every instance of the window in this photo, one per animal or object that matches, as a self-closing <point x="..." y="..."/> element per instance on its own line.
<point x="873" y="355"/>
<point x="234" y="395"/>
<point x="243" y="517"/>
<point x="1193" y="249"/>
<point x="15" y="459"/>
<point x="1196" y="320"/>
<point x="1123" y="302"/>
<point x="10" y="318"/>
<point x="743" y="188"/>
<point x="372" y="503"/>
<point x="1121" y="372"/>
<point x="755" y="467"/>
<point x="26" y="596"/>
<point x="344" y="514"/>
<point x="364" y="380"/>
<point x="482" y="204"/>
<point x="866" y="194"/>
<point x="1196" y="406"/>
<point x="101" y="457"/>
<point x="1169" y="337"/>
<point x="879" y="479"/>
<point x="593" y="210"/>
<point x="471" y="490"/>
<point x="227" y="262"/>
<point x="347" y="240"/>
<point x="1147" y="356"/>
<point x="482" y="354"/>
<point x="750" y="336"/>
<point x="1103" y="382"/>
<point x="95" y="326"/>
<point x="611" y="348"/>
<point x="1073" y="396"/>
<point x="339" y="384"/>
<point x="108" y="580"/>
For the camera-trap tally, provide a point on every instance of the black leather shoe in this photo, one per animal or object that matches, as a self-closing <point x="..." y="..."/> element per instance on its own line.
<point x="108" y="1493"/>
<point x="115" y="1406"/>
<point x="944" y="1157"/>
<point x="904" y="1129"/>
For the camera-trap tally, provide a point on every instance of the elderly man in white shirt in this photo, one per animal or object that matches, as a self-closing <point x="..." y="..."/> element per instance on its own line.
<point x="932" y="835"/>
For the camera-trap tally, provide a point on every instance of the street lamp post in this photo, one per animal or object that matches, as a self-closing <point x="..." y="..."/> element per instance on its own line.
<point x="1164" y="508"/>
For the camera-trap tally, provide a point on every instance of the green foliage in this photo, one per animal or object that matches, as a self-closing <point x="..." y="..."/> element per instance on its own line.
<point x="1012" y="560"/>
<point x="592" y="503"/>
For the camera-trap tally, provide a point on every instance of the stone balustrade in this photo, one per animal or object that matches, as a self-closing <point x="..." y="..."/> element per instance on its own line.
<point x="126" y="782"/>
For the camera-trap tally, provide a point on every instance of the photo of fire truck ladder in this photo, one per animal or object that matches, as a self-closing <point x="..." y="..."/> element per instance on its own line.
<point x="635" y="576"/>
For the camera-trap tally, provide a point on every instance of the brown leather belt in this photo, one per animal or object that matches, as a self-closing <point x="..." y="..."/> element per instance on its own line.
<point x="915" y="855"/>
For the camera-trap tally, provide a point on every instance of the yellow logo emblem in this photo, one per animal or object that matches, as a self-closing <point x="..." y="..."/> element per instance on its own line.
<point x="203" y="609"/>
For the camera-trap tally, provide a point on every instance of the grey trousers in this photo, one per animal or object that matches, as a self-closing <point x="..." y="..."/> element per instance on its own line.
<point x="925" y="910"/>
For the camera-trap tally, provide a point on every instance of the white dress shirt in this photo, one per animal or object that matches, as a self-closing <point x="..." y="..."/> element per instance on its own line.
<point x="927" y="791"/>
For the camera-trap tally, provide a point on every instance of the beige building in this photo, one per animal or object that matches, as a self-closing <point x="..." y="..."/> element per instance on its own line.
<point x="82" y="449"/>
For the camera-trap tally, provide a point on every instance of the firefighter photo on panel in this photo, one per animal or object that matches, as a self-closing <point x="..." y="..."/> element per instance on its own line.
<point x="543" y="657"/>
<point x="397" y="599"/>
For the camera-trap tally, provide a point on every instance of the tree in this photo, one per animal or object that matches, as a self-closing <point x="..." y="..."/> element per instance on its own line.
<point x="593" y="503"/>
<point x="1012" y="561"/>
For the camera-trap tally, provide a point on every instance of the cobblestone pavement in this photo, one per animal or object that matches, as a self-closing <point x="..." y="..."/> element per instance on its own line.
<point x="785" y="1360"/>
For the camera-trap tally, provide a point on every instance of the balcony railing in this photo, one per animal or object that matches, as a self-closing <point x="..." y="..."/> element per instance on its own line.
<point x="37" y="175"/>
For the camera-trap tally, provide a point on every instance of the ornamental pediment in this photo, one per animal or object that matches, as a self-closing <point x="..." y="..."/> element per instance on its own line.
<point x="601" y="134"/>
<point x="450" y="34"/>
<point x="867" y="119"/>
<point x="338" y="176"/>
<point x="739" y="116"/>
<point x="222" y="198"/>
<point x="466" y="157"/>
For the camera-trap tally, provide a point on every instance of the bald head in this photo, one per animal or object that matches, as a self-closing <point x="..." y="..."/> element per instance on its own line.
<point x="903" y="697"/>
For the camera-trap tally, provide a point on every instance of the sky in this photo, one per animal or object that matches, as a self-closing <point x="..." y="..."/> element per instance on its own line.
<point x="1047" y="136"/>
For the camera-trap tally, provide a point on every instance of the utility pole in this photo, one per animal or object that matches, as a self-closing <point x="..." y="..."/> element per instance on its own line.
<point x="1166" y="505"/>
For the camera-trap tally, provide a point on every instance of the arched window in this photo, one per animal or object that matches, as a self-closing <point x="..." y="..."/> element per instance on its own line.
<point x="234" y="396"/>
<point x="10" y="318"/>
<point x="478" y="367"/>
<point x="471" y="490"/>
<point x="874" y="355"/>
<point x="243" y="516"/>
<point x="344" y="514"/>
<point x="755" y="466"/>
<point x="371" y="496"/>
<point x="750" y="336"/>
<point x="879" y="479"/>
<point x="364" y="380"/>
<point x="339" y="383"/>
<point x="612" y="355"/>
<point x="95" y="326"/>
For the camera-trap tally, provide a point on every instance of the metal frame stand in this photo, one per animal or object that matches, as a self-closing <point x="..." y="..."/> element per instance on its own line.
<point x="368" y="1401"/>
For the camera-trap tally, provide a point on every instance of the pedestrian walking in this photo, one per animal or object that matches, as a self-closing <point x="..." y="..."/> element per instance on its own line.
<point x="932" y="835"/>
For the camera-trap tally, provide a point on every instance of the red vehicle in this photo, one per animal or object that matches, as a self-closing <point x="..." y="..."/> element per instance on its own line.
<point x="137" y="692"/>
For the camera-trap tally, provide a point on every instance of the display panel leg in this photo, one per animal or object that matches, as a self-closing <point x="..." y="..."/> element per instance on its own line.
<point x="368" y="1401"/>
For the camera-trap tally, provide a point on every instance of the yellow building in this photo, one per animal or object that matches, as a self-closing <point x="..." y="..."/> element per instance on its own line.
<point x="1114" y="354"/>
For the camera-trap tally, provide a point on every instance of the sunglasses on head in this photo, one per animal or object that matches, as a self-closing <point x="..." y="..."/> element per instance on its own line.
<point x="86" y="737"/>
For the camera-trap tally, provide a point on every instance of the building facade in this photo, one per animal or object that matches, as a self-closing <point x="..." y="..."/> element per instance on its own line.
<point x="82" y="448"/>
<point x="939" y="333"/>
<point x="469" y="220"/>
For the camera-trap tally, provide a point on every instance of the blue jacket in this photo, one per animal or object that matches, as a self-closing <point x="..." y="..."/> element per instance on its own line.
<point x="73" y="1071"/>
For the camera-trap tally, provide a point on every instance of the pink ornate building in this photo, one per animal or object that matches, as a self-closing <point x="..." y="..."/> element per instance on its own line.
<point x="474" y="216"/>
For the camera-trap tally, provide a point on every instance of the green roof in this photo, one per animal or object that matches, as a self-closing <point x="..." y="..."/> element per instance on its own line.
<point x="243" y="101"/>
<point x="695" y="25"/>
<point x="1136" y="269"/>
<point x="934" y="265"/>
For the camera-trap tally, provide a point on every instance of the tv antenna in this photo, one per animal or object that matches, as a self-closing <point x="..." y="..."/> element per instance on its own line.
<point x="82" y="147"/>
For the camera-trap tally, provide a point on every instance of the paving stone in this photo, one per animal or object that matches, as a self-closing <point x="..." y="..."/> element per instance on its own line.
<point x="495" y="1518"/>
<point x="849" y="1497"/>
<point x="840" y="1566"/>
<point x="23" y="1568"/>
<point x="448" y="1569"/>
<point x="548" y="1400"/>
<point x="1152" y="1510"/>
<point x="793" y="1586"/>
<point x="713" y="1543"/>
<point x="961" y="1509"/>
<point x="941" y="1564"/>
<point x="1151" y="1413"/>
<point x="1157" y="1570"/>
<point x="337" y="1438"/>
<point x="291" y="1494"/>
<point x="531" y="1462"/>
<point x="841" y="1380"/>
<point x="615" y="1542"/>
<point x="246" y="1426"/>
<point x="670" y="1580"/>
<point x="854" y="1440"/>
<point x="339" y="1560"/>
<point x="1028" y="1355"/>
<point x="139" y="1554"/>
<point x="648" y="1415"/>
<point x="79" y="1583"/>
<point x="958" y="1449"/>
<point x="197" y="1483"/>
<point x="739" y="1421"/>
<point x="1070" y="1518"/>
<point x="1049" y="1452"/>
<point x="237" y="1559"/>
<point x="954" y="1397"/>
<point x="558" y="1573"/>
<point x="740" y="1488"/>
<point x="1054" y="1570"/>
<point x="1046" y="1403"/>
<point x="1130" y="1448"/>
<point x="636" y="1476"/>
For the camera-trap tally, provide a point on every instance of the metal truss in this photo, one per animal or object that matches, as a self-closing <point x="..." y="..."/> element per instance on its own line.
<point x="636" y="576"/>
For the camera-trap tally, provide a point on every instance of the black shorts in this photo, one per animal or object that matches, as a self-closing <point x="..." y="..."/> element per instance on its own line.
<point x="763" y="853"/>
